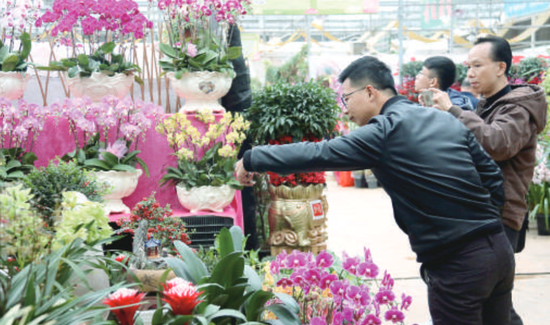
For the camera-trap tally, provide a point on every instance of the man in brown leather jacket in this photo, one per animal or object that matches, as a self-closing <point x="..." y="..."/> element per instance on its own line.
<point x="506" y="123"/>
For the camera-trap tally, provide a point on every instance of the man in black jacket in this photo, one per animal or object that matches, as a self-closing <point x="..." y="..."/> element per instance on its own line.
<point x="445" y="190"/>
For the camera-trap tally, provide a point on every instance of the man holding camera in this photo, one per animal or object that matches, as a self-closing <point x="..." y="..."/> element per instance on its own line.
<point x="439" y="72"/>
<point x="506" y="124"/>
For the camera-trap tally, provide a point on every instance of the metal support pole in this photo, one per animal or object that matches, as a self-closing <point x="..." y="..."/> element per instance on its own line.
<point x="533" y="40"/>
<point x="400" y="24"/>
<point x="451" y="31"/>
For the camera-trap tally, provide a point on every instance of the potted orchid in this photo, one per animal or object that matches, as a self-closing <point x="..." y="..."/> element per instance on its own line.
<point x="16" y="19"/>
<point x="198" y="57"/>
<point x="19" y="127"/>
<point x="331" y="293"/>
<point x="102" y="72"/>
<point x="106" y="137"/>
<point x="204" y="176"/>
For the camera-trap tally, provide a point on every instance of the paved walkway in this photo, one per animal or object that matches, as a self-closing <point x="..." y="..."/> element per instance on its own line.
<point x="360" y="218"/>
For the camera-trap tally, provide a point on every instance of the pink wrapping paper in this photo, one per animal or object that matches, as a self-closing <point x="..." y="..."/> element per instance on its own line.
<point x="55" y="140"/>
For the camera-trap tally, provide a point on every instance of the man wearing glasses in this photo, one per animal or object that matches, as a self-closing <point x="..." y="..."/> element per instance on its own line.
<point x="445" y="190"/>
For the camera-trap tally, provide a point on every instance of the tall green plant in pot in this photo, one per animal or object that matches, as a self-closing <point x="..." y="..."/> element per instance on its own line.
<point x="538" y="197"/>
<point x="198" y="55"/>
<point x="285" y="113"/>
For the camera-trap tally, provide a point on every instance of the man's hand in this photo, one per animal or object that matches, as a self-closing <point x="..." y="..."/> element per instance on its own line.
<point x="244" y="177"/>
<point x="441" y="100"/>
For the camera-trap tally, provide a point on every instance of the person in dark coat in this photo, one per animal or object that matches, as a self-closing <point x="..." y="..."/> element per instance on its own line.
<point x="446" y="191"/>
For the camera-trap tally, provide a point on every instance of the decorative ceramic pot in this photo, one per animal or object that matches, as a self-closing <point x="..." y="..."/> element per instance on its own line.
<point x="150" y="279"/>
<point x="13" y="84"/>
<point x="201" y="90"/>
<point x="205" y="198"/>
<point x="99" y="85"/>
<point x="123" y="184"/>
<point x="297" y="218"/>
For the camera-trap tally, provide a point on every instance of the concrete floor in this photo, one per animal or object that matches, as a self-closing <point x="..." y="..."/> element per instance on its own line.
<point x="360" y="217"/>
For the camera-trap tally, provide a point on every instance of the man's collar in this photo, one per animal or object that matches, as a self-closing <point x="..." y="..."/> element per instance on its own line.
<point x="391" y="101"/>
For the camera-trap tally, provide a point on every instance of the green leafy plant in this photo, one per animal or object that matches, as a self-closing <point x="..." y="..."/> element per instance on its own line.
<point x="84" y="65"/>
<point x="210" y="57"/>
<point x="412" y="68"/>
<point x="16" y="61"/>
<point x="292" y="71"/>
<point x="43" y="290"/>
<point x="528" y="70"/>
<point x="14" y="169"/>
<point x="302" y="111"/>
<point x="48" y="183"/>
<point x="220" y="145"/>
<point x="232" y="284"/>
<point x="87" y="156"/>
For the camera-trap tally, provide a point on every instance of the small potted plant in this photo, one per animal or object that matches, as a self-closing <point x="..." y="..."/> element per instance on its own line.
<point x="106" y="138"/>
<point x="205" y="175"/>
<point x="94" y="69"/>
<point x="162" y="230"/>
<point x="17" y="18"/>
<point x="282" y="114"/>
<point x="198" y="58"/>
<point x="48" y="183"/>
<point x="19" y="127"/>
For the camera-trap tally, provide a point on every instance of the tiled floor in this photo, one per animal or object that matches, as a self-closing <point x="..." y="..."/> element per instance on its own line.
<point x="363" y="218"/>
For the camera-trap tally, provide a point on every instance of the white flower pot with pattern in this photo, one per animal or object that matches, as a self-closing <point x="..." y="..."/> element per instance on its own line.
<point x="205" y="198"/>
<point x="122" y="184"/>
<point x="201" y="90"/>
<point x="13" y="84"/>
<point x="99" y="85"/>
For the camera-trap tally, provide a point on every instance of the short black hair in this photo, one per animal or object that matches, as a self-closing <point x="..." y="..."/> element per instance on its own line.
<point x="500" y="49"/>
<point x="368" y="70"/>
<point x="444" y="70"/>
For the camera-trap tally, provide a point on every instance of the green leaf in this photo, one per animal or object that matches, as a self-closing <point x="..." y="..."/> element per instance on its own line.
<point x="10" y="62"/>
<point x="226" y="243"/>
<point x="143" y="166"/>
<point x="26" y="42"/>
<point x="288" y="301"/>
<point x="228" y="313"/>
<point x="234" y="52"/>
<point x="110" y="158"/>
<point x="12" y="163"/>
<point x="178" y="74"/>
<point x="285" y="315"/>
<point x="255" y="305"/>
<point x="83" y="60"/>
<point x="108" y="47"/>
<point x="197" y="269"/>
<point x="3" y="53"/>
<point x="168" y="50"/>
<point x="123" y="168"/>
<point x="74" y="71"/>
<point x="97" y="164"/>
<point x="138" y="80"/>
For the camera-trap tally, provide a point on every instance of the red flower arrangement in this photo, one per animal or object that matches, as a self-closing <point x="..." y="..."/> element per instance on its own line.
<point x="295" y="179"/>
<point x="124" y="297"/>
<point x="162" y="226"/>
<point x="181" y="295"/>
<point x="406" y="88"/>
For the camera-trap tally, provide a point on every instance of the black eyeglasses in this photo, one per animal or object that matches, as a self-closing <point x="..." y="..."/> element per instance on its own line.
<point x="344" y="97"/>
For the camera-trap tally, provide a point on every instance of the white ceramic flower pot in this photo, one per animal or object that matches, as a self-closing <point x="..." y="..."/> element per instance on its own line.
<point x="99" y="85"/>
<point x="201" y="90"/>
<point x="205" y="198"/>
<point x="13" y="84"/>
<point x="123" y="184"/>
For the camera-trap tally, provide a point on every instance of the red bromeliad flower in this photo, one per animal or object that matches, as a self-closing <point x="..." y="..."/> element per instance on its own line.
<point x="124" y="297"/>
<point x="182" y="296"/>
